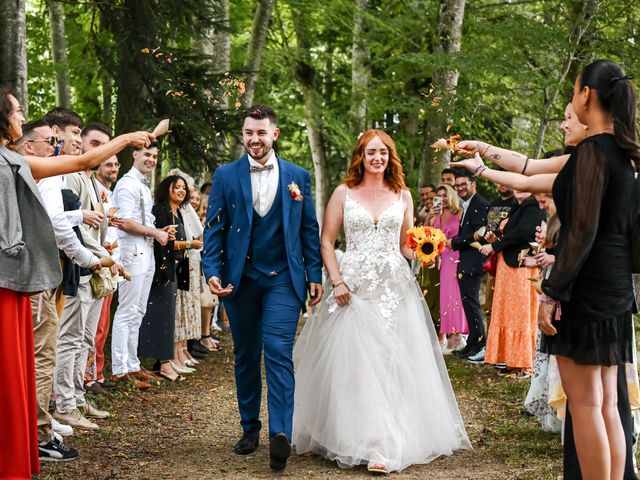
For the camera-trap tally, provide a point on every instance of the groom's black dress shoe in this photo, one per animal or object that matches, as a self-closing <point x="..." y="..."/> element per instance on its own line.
<point x="279" y="451"/>
<point x="247" y="443"/>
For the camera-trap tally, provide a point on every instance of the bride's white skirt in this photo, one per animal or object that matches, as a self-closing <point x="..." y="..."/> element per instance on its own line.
<point x="373" y="387"/>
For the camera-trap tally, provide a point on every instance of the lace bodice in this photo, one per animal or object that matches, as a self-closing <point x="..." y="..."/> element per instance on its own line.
<point x="372" y="263"/>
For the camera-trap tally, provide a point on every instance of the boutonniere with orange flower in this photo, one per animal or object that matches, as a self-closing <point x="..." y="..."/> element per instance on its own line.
<point x="427" y="243"/>
<point x="103" y="196"/>
<point x="296" y="195"/>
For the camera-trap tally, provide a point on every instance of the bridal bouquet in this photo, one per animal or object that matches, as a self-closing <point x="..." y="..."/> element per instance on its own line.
<point x="427" y="243"/>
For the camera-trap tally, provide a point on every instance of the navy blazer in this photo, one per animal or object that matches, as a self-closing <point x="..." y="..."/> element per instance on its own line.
<point x="475" y="217"/>
<point x="229" y="223"/>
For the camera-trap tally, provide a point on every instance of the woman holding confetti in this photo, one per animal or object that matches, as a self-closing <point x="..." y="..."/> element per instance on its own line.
<point x="371" y="384"/>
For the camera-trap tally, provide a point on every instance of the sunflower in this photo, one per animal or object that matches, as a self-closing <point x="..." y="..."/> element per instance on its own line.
<point x="427" y="243"/>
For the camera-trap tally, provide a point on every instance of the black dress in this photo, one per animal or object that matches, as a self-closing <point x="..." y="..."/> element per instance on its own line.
<point x="592" y="274"/>
<point x="158" y="325"/>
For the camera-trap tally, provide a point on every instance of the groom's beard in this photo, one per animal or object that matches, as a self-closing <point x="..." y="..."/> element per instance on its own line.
<point x="262" y="154"/>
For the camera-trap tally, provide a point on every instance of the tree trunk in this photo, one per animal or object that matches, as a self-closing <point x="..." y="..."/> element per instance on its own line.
<point x="582" y="28"/>
<point x="445" y="82"/>
<point x="360" y="70"/>
<point x="59" y="53"/>
<point x="253" y="58"/>
<point x="13" y="50"/>
<point x="215" y="45"/>
<point x="107" y="98"/>
<point x="305" y="74"/>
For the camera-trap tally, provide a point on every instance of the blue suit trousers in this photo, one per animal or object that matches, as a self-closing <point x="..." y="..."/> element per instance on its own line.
<point x="263" y="315"/>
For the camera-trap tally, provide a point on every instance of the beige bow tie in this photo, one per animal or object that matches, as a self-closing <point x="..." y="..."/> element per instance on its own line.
<point x="263" y="168"/>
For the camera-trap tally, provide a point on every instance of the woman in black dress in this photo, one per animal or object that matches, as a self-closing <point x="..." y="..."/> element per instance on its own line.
<point x="589" y="328"/>
<point x="158" y="324"/>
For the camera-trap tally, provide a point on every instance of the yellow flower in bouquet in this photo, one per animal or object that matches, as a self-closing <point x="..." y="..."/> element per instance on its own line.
<point x="427" y="243"/>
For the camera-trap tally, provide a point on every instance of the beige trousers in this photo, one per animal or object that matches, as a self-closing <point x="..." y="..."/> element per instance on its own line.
<point x="45" y="331"/>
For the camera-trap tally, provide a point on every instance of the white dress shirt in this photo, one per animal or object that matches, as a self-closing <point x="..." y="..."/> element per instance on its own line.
<point x="132" y="196"/>
<point x="75" y="217"/>
<point x="66" y="238"/>
<point x="264" y="185"/>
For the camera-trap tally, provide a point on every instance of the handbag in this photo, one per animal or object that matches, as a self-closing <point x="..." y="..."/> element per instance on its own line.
<point x="102" y="283"/>
<point x="490" y="265"/>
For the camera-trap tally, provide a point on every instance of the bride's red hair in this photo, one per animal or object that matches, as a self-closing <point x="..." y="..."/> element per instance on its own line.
<point x="393" y="174"/>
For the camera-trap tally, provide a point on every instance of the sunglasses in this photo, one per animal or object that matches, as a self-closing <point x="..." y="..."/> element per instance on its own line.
<point x="53" y="141"/>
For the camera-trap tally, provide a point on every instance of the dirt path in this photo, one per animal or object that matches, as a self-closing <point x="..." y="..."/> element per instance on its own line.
<point x="187" y="431"/>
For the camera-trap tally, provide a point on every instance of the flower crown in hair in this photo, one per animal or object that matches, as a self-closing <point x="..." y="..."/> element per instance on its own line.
<point x="615" y="80"/>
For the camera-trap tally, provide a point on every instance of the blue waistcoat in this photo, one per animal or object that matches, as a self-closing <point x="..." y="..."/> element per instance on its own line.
<point x="267" y="253"/>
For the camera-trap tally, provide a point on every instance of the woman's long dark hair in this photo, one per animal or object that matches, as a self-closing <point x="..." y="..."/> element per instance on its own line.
<point x="162" y="191"/>
<point x="6" y="109"/>
<point x="617" y="97"/>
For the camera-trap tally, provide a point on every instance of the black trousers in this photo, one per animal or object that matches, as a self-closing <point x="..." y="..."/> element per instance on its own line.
<point x="571" y="465"/>
<point x="470" y="292"/>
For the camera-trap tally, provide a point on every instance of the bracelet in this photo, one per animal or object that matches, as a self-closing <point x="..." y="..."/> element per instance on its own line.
<point x="338" y="283"/>
<point x="485" y="151"/>
<point x="188" y="245"/>
<point x="526" y="162"/>
<point x="479" y="170"/>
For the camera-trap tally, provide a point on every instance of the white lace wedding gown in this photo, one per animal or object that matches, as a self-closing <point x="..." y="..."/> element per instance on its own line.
<point x="371" y="382"/>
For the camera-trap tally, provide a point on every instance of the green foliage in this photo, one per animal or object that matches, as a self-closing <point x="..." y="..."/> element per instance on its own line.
<point x="509" y="64"/>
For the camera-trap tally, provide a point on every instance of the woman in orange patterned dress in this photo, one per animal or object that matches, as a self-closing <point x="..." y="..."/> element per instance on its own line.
<point x="511" y="340"/>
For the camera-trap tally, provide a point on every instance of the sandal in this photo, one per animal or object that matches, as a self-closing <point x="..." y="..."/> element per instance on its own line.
<point x="377" y="468"/>
<point x="213" y="348"/>
<point x="177" y="378"/>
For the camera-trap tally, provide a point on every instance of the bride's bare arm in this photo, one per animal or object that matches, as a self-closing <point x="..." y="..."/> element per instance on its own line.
<point x="513" y="161"/>
<point x="331" y="225"/>
<point x="407" y="223"/>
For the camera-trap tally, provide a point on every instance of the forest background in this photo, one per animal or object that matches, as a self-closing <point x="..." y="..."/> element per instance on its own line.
<point x="496" y="70"/>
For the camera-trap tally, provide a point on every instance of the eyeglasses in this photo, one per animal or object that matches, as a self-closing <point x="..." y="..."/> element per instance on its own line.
<point x="53" y="141"/>
<point x="458" y="186"/>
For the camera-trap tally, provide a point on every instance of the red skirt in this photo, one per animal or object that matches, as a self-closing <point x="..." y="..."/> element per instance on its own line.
<point x="19" y="448"/>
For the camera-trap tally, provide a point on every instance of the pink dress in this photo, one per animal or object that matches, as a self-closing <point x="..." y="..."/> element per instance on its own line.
<point x="452" y="317"/>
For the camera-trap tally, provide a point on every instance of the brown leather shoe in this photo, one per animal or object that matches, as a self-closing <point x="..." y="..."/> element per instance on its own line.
<point x="140" y="385"/>
<point x="144" y="375"/>
<point x="117" y="379"/>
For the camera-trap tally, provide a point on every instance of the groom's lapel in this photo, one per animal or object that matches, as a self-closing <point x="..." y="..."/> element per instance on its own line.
<point x="245" y="185"/>
<point x="285" y="180"/>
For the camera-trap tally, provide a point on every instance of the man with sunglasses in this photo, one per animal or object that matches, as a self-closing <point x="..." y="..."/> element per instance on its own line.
<point x="470" y="272"/>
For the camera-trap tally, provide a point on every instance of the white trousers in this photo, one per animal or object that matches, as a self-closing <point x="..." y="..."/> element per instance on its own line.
<point x="132" y="305"/>
<point x="76" y="335"/>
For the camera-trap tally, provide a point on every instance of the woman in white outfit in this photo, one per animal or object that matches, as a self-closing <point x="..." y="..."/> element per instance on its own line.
<point x="371" y="384"/>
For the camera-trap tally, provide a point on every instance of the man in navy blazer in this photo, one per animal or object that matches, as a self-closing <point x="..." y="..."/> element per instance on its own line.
<point x="470" y="271"/>
<point x="261" y="240"/>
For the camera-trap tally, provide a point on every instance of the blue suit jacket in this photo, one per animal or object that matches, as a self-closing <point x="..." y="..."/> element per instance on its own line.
<point x="229" y="218"/>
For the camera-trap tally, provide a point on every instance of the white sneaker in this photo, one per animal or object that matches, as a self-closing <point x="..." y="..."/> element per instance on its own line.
<point x="61" y="428"/>
<point x="478" y="358"/>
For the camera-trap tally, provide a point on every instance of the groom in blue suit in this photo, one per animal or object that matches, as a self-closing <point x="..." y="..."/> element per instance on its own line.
<point x="262" y="254"/>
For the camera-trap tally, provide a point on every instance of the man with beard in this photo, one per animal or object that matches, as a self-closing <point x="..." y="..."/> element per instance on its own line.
<point x="135" y="252"/>
<point x="262" y="254"/>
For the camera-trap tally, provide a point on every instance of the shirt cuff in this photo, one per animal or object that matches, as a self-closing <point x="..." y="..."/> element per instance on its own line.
<point x="74" y="217"/>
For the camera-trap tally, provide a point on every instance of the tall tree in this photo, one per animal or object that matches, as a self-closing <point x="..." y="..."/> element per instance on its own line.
<point x="306" y="75"/>
<point x="59" y="53"/>
<point x="13" y="49"/>
<point x="360" y="69"/>
<point x="445" y="82"/>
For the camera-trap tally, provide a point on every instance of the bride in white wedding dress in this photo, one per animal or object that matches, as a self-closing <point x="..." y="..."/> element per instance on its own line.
<point x="371" y="383"/>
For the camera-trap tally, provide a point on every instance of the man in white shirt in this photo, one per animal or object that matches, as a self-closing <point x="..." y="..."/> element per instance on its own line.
<point x="79" y="308"/>
<point x="135" y="252"/>
<point x="38" y="140"/>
